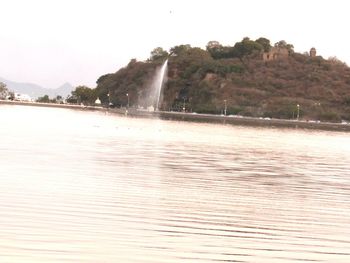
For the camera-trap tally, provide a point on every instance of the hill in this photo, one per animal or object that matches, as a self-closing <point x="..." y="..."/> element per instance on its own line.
<point x="244" y="77"/>
<point x="64" y="90"/>
<point x="35" y="91"/>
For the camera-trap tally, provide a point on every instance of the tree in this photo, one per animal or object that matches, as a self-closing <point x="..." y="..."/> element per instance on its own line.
<point x="334" y="60"/>
<point x="158" y="53"/>
<point x="265" y="43"/>
<point x="179" y="50"/>
<point x="245" y="47"/>
<point x="44" y="99"/>
<point x="3" y="90"/>
<point x="284" y="44"/>
<point x="198" y="53"/>
<point x="216" y="50"/>
<point x="58" y="99"/>
<point x="133" y="61"/>
<point x="72" y="99"/>
<point x="213" y="44"/>
<point x="2" y="87"/>
<point x="83" y="94"/>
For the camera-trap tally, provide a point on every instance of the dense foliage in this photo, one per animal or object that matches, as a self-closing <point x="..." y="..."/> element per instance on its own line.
<point x="201" y="80"/>
<point x="46" y="99"/>
<point x="3" y="91"/>
<point x="82" y="94"/>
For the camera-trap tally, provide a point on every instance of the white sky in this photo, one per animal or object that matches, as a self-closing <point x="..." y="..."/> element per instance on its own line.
<point x="49" y="42"/>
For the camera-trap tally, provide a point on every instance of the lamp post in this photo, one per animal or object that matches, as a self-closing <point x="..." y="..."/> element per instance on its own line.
<point x="109" y="100"/>
<point x="298" y="111"/>
<point x="225" y="111"/>
<point x="127" y="95"/>
<point x="184" y="106"/>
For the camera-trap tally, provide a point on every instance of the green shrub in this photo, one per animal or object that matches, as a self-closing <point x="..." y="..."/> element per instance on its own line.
<point x="330" y="117"/>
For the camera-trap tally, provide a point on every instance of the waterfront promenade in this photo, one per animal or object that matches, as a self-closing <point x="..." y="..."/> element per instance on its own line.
<point x="166" y="115"/>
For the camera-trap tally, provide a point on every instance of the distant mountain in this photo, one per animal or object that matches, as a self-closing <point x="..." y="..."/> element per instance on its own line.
<point x="35" y="91"/>
<point x="64" y="90"/>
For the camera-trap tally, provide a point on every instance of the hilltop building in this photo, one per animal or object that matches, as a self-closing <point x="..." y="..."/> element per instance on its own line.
<point x="276" y="53"/>
<point x="313" y="52"/>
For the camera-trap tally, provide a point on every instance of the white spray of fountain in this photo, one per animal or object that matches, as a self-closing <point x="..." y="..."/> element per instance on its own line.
<point x="160" y="80"/>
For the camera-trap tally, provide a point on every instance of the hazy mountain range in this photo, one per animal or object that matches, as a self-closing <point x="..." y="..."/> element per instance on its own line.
<point x="35" y="91"/>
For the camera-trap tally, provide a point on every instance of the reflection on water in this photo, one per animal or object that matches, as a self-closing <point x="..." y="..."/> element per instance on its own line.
<point x="90" y="187"/>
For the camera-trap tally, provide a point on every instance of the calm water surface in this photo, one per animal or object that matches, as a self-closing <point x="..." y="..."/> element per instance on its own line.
<point x="90" y="187"/>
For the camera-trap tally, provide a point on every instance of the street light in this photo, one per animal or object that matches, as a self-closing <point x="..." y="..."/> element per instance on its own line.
<point x="298" y="111"/>
<point x="109" y="100"/>
<point x="184" y="106"/>
<point x="225" y="108"/>
<point x="127" y="95"/>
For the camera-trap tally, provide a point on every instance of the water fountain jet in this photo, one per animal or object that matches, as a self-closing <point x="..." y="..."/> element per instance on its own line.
<point x="160" y="79"/>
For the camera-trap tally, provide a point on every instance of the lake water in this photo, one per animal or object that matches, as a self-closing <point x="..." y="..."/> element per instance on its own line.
<point x="92" y="187"/>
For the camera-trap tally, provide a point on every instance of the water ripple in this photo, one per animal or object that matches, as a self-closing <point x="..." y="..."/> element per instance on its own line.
<point x="88" y="187"/>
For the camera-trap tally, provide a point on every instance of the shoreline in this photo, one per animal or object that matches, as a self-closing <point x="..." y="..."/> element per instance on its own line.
<point x="196" y="117"/>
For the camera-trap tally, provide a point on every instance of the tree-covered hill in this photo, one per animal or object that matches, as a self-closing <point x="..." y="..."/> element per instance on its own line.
<point x="204" y="80"/>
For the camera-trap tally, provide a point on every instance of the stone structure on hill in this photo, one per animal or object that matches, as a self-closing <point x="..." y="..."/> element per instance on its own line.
<point x="313" y="52"/>
<point x="276" y="53"/>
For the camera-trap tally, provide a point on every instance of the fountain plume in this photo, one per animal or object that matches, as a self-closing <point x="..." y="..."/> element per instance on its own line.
<point x="160" y="80"/>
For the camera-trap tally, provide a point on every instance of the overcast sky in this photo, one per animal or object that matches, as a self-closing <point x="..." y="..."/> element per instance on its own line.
<point x="49" y="42"/>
